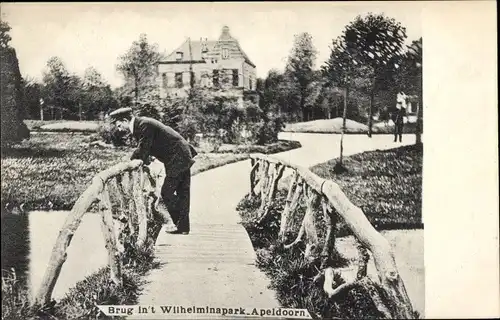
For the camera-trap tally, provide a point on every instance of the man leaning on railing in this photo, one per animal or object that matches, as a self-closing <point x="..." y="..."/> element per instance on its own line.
<point x="169" y="147"/>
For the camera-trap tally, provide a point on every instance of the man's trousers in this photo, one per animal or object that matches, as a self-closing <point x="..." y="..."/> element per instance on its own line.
<point x="398" y="132"/>
<point x="176" y="192"/>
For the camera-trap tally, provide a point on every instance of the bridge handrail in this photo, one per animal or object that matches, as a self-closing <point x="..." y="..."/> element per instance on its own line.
<point x="130" y="180"/>
<point x="264" y="177"/>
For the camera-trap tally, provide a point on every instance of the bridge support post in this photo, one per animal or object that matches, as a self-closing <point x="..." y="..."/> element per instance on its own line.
<point x="114" y="256"/>
<point x="292" y="200"/>
<point x="140" y="208"/>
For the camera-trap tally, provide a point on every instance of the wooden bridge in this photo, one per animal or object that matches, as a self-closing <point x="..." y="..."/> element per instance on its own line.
<point x="215" y="264"/>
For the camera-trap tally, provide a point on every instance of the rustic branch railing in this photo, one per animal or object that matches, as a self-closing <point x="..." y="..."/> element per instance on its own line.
<point x="326" y="195"/>
<point x="127" y="196"/>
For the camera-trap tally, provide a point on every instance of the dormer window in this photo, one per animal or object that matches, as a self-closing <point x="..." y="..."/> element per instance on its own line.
<point x="225" y="53"/>
<point x="179" y="56"/>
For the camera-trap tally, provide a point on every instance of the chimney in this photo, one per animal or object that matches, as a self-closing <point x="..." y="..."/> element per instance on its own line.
<point x="204" y="45"/>
<point x="225" y="33"/>
<point x="204" y="48"/>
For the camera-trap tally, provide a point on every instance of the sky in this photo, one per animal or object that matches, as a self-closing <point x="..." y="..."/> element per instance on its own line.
<point x="96" y="34"/>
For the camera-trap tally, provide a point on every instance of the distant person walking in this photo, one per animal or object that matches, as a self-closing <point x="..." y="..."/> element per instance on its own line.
<point x="169" y="147"/>
<point x="398" y="118"/>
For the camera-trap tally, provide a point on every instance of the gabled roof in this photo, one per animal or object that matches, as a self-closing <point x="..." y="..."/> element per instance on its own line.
<point x="214" y="48"/>
<point x="196" y="47"/>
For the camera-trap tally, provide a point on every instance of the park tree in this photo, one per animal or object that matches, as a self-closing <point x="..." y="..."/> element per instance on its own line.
<point x="299" y="68"/>
<point x="92" y="77"/>
<point x="340" y="71"/>
<point x="274" y="93"/>
<point x="139" y="66"/>
<point x="278" y="95"/>
<point x="62" y="90"/>
<point x="97" y="96"/>
<point x="409" y="79"/>
<point x="33" y="98"/>
<point x="11" y="91"/>
<point x="5" y="38"/>
<point x="377" y="42"/>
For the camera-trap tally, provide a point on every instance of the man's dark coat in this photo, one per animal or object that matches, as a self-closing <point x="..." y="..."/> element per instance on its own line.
<point x="163" y="143"/>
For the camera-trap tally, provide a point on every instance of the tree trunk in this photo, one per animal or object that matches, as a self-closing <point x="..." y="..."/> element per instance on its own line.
<point x="302" y="101"/>
<point x="41" y="111"/>
<point x="370" y="113"/>
<point x="344" y="118"/>
<point x="418" y="126"/>
<point x="136" y="84"/>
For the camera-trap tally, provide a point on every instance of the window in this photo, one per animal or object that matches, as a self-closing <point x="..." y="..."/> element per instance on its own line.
<point x="225" y="53"/>
<point x="164" y="80"/>
<point x="236" y="80"/>
<point x="215" y="78"/>
<point x="179" y="56"/>
<point x="250" y="84"/>
<point x="178" y="80"/>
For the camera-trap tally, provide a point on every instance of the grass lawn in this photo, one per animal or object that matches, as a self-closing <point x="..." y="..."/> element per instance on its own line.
<point x="335" y="126"/>
<point x="386" y="184"/>
<point x="276" y="147"/>
<point x="50" y="171"/>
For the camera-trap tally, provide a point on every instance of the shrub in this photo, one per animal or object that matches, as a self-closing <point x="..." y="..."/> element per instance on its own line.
<point x="148" y="110"/>
<point x="13" y="129"/>
<point x="266" y="131"/>
<point x="252" y="112"/>
<point x="188" y="127"/>
<point x="112" y="135"/>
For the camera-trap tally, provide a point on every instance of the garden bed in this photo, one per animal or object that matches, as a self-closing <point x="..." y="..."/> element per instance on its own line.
<point x="387" y="185"/>
<point x="276" y="147"/>
<point x="334" y="126"/>
<point x="63" y="125"/>
<point x="50" y="171"/>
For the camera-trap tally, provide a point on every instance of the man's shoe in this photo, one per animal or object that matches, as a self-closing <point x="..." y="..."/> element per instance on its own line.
<point x="178" y="232"/>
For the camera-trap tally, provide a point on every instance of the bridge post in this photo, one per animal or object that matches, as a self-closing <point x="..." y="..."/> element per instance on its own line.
<point x="137" y="185"/>
<point x="309" y="224"/>
<point x="290" y="205"/>
<point x="255" y="166"/>
<point x="114" y="257"/>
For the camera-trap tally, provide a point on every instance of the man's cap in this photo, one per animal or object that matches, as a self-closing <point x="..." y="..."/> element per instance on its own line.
<point x="120" y="114"/>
